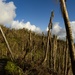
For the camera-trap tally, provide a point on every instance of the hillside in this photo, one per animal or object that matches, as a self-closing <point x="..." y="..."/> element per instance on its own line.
<point x="29" y="51"/>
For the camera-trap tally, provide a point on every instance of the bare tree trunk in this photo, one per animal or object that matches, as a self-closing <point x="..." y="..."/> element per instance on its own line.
<point x="54" y="50"/>
<point x="66" y="58"/>
<point x="69" y="33"/>
<point x="7" y="43"/>
<point x="48" y="55"/>
<point x="46" y="60"/>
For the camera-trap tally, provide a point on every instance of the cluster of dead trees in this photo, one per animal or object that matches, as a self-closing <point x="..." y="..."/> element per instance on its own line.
<point x="55" y="54"/>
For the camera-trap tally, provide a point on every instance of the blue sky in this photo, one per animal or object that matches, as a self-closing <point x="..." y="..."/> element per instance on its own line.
<point x="38" y="11"/>
<point x="35" y="14"/>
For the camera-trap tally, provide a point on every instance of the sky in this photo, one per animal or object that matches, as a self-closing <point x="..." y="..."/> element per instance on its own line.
<point x="35" y="14"/>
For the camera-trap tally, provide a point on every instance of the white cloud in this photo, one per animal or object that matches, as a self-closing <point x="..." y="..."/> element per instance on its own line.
<point x="27" y="25"/>
<point x="7" y="15"/>
<point x="7" y="12"/>
<point x="61" y="32"/>
<point x="58" y="30"/>
<point x="73" y="28"/>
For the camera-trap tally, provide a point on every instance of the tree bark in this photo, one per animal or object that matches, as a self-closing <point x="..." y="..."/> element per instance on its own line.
<point x="69" y="33"/>
<point x="12" y="56"/>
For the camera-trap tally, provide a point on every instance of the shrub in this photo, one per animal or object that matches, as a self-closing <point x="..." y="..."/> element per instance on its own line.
<point x="13" y="69"/>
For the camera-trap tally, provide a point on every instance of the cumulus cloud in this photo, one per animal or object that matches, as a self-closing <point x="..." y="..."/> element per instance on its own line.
<point x="20" y="24"/>
<point x="7" y="15"/>
<point x="61" y="32"/>
<point x="7" y="12"/>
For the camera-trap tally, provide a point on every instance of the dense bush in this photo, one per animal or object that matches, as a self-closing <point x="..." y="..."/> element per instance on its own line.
<point x="12" y="69"/>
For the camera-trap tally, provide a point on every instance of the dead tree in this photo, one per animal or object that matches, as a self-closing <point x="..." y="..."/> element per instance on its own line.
<point x="30" y="39"/>
<point x="43" y="44"/>
<point x="66" y="58"/>
<point x="54" y="51"/>
<point x="12" y="57"/>
<point x="47" y="60"/>
<point x="69" y="33"/>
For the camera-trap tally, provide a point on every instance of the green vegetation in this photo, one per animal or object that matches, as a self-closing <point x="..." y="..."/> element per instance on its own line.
<point x="12" y="68"/>
<point x="29" y="50"/>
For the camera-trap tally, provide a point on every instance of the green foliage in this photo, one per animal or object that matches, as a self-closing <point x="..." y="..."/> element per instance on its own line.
<point x="30" y="51"/>
<point x="12" y="68"/>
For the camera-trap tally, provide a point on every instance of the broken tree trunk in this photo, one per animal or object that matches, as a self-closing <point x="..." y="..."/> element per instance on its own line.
<point x="54" y="50"/>
<point x="48" y="55"/>
<point x="7" y="43"/>
<point x="69" y="33"/>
